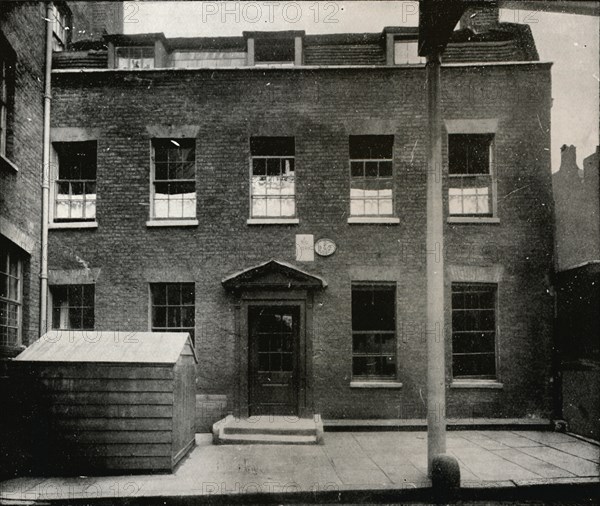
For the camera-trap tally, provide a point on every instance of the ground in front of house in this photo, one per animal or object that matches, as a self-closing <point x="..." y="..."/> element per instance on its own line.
<point x="347" y="461"/>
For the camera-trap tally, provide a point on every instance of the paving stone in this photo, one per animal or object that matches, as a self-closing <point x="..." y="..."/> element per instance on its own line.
<point x="533" y="464"/>
<point x="573" y="464"/>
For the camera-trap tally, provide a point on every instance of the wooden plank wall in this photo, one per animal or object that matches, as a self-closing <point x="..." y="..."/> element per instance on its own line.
<point x="184" y="409"/>
<point x="106" y="417"/>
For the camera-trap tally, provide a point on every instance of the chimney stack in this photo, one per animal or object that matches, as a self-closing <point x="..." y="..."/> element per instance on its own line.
<point x="568" y="160"/>
<point x="481" y="19"/>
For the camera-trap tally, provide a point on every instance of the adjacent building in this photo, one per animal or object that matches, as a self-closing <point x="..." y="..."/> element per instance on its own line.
<point x="576" y="193"/>
<point x="22" y="69"/>
<point x="267" y="194"/>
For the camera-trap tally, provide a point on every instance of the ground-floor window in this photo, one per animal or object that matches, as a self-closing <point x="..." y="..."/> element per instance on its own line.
<point x="11" y="296"/>
<point x="173" y="307"/>
<point x="373" y="331"/>
<point x="474" y="330"/>
<point x="73" y="307"/>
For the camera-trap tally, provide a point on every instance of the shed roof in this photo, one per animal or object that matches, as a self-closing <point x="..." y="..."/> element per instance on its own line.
<point x="109" y="347"/>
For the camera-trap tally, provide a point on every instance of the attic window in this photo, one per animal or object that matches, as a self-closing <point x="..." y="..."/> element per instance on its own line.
<point x="406" y="53"/>
<point x="60" y="28"/>
<point x="135" y="57"/>
<point x="274" y="51"/>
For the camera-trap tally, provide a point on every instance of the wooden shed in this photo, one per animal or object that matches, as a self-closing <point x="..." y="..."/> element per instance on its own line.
<point x="110" y="401"/>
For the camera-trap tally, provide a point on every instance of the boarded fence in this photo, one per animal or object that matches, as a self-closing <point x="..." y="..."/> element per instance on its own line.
<point x="108" y="401"/>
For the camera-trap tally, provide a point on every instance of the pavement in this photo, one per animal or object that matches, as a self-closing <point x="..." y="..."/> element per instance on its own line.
<point x="350" y="467"/>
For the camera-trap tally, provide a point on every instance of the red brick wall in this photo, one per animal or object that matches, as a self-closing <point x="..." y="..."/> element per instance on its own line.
<point x="321" y="108"/>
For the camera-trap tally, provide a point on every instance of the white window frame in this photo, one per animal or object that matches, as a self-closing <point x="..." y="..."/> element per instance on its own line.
<point x="485" y="380"/>
<point x="64" y="317"/>
<point x="364" y="381"/>
<point x="416" y="59"/>
<point x="155" y="221"/>
<point x="491" y="217"/>
<point x="54" y="173"/>
<point x="131" y="50"/>
<point x="18" y="302"/>
<point x="266" y="219"/>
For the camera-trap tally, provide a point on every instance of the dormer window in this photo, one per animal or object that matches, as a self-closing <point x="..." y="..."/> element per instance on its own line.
<point x="406" y="52"/>
<point x="274" y="51"/>
<point x="60" y="28"/>
<point x="135" y="57"/>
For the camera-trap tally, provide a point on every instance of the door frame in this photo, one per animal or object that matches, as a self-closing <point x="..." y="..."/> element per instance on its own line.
<point x="304" y="384"/>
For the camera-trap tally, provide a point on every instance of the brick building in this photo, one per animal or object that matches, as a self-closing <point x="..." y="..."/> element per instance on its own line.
<point x="267" y="194"/>
<point x="22" y="69"/>
<point x="577" y="282"/>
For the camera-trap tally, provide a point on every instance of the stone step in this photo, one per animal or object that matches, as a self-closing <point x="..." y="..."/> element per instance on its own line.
<point x="268" y="430"/>
<point x="266" y="439"/>
<point x="282" y="431"/>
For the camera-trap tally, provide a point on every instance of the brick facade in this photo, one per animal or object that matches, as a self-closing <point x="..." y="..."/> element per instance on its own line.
<point x="22" y="24"/>
<point x="320" y="108"/>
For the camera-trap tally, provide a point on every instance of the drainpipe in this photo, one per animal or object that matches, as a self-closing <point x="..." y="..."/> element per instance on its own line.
<point x="436" y="353"/>
<point x="46" y="174"/>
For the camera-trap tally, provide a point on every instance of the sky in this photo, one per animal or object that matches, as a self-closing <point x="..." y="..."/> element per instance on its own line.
<point x="569" y="41"/>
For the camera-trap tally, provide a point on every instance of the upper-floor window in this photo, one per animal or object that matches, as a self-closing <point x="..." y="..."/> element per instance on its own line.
<point x="73" y="307"/>
<point x="60" y="28"/>
<point x="471" y="184"/>
<point x="173" y="307"/>
<point x="273" y="186"/>
<point x="373" y="331"/>
<point x="274" y="51"/>
<point x="7" y="65"/>
<point x="474" y="330"/>
<point x="406" y="52"/>
<point x="135" y="57"/>
<point x="11" y="296"/>
<point x="372" y="178"/>
<point x="174" y="179"/>
<point x="75" y="191"/>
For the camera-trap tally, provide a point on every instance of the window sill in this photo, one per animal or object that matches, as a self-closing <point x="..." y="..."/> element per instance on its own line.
<point x="5" y="162"/>
<point x="172" y="223"/>
<point x="272" y="221"/>
<point x="493" y="384"/>
<point x="460" y="219"/>
<point x="73" y="225"/>
<point x="390" y="220"/>
<point x="375" y="384"/>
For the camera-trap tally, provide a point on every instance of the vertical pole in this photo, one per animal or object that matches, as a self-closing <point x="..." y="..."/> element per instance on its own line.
<point x="46" y="174"/>
<point x="436" y="374"/>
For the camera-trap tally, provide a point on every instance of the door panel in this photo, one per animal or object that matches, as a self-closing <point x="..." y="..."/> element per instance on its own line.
<point x="273" y="342"/>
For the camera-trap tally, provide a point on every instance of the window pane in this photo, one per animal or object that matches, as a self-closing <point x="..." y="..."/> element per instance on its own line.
<point x="273" y="166"/>
<point x="273" y="207"/>
<point x="373" y="309"/>
<point x="371" y="169"/>
<point x="273" y="185"/>
<point x="174" y="316"/>
<point x="371" y="146"/>
<point x="75" y="318"/>
<point x="159" y="316"/>
<point x="385" y="207"/>
<point x="357" y="169"/>
<point x="259" y="206"/>
<point x="287" y="185"/>
<point x="88" y="318"/>
<point x="173" y="294"/>
<point x="187" y="316"/>
<point x="385" y="169"/>
<point x="288" y="207"/>
<point x="357" y="207"/>
<point x="259" y="167"/>
<point x="159" y="294"/>
<point x="473" y="330"/>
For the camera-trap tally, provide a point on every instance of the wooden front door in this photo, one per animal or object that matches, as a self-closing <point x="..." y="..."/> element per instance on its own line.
<point x="273" y="361"/>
